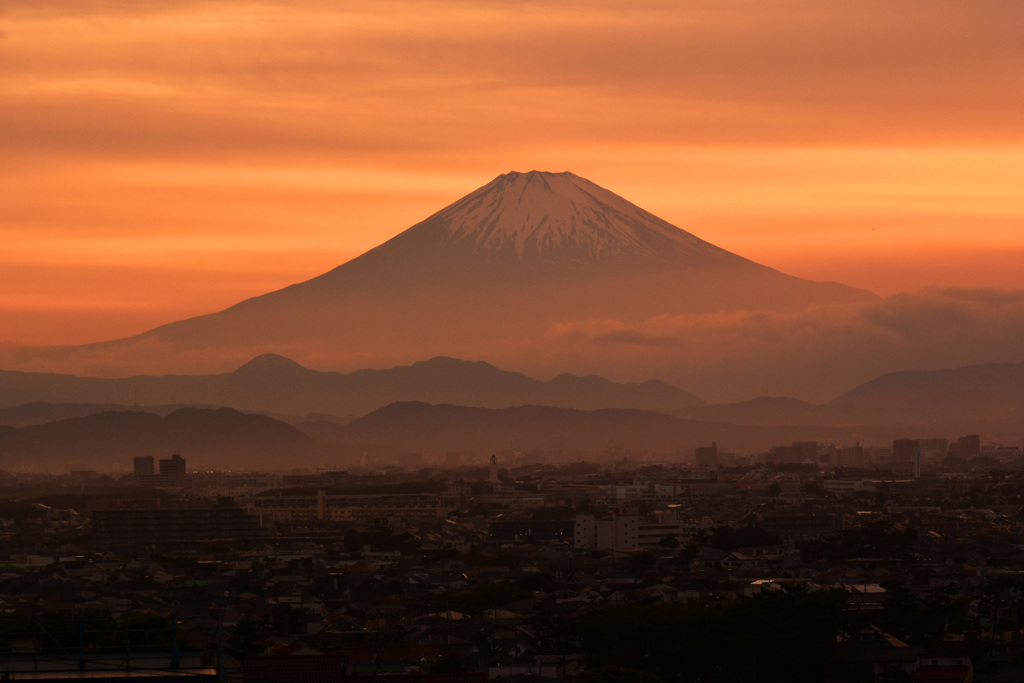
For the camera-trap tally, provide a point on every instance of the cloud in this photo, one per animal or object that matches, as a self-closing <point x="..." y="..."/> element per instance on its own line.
<point x="984" y="317"/>
<point x="266" y="73"/>
<point x="741" y="116"/>
<point x="634" y="337"/>
<point x="814" y="354"/>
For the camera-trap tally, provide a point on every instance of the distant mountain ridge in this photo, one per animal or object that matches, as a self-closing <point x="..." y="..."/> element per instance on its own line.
<point x="510" y="273"/>
<point x="946" y="404"/>
<point x="987" y="398"/>
<point x="993" y="391"/>
<point x="226" y="439"/>
<point x="107" y="441"/>
<point x="417" y="426"/>
<point x="976" y="398"/>
<point x="275" y="384"/>
<point x="565" y="434"/>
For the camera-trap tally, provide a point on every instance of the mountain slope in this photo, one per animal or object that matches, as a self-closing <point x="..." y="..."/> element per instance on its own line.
<point x="549" y="221"/>
<point x="987" y="399"/>
<point x="508" y="273"/>
<point x="985" y="393"/>
<point x="562" y="434"/>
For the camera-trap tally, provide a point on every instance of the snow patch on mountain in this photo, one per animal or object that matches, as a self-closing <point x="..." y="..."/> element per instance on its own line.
<point x="560" y="217"/>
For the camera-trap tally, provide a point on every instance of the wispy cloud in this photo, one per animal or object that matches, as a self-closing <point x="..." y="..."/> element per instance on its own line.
<point x="814" y="354"/>
<point x="798" y="126"/>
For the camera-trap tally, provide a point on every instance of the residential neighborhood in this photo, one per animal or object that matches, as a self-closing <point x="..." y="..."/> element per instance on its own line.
<point x="762" y="569"/>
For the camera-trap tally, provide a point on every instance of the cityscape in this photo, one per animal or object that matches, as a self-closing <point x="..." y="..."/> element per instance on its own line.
<point x="817" y="562"/>
<point x="439" y="341"/>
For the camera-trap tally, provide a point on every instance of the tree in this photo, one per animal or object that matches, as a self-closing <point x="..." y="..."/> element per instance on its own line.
<point x="784" y="636"/>
<point x="287" y="619"/>
<point x="246" y="636"/>
<point x="669" y="541"/>
<point x="147" y="631"/>
<point x="451" y="663"/>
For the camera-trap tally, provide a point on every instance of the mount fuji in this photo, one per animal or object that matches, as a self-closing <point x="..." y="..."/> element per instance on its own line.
<point x="520" y="273"/>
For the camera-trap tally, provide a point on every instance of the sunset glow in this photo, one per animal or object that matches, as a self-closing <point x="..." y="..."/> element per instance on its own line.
<point x="164" y="160"/>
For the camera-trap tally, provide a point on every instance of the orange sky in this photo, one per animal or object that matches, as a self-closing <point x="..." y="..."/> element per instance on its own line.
<point x="167" y="159"/>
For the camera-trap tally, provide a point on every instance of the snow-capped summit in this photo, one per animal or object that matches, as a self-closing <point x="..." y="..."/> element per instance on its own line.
<point x="543" y="219"/>
<point x="520" y="272"/>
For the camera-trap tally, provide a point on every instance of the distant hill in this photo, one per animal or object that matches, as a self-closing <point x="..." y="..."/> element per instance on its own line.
<point x="227" y="439"/>
<point x="446" y="404"/>
<point x="567" y="434"/>
<point x="275" y="384"/>
<point x="215" y="439"/>
<point x="992" y="392"/>
<point x="980" y="398"/>
<point x="760" y="411"/>
<point x="562" y="433"/>
<point x="41" y="412"/>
